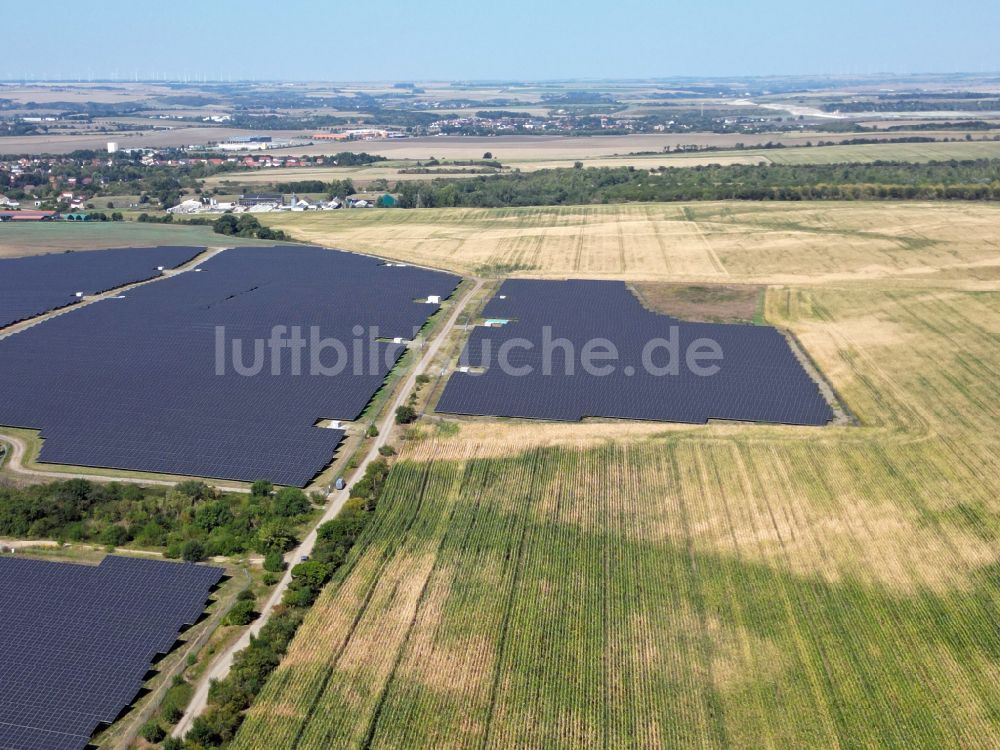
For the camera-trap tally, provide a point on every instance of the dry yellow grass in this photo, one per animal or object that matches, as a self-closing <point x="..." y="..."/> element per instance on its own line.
<point x="768" y="243"/>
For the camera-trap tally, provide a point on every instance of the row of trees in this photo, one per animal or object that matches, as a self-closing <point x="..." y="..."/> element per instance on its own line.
<point x="229" y="698"/>
<point x="948" y="180"/>
<point x="245" y="225"/>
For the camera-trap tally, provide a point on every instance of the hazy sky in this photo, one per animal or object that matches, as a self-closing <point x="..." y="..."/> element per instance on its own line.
<point x="536" y="39"/>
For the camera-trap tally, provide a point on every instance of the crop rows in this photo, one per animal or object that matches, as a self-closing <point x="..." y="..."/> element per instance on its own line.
<point x="711" y="587"/>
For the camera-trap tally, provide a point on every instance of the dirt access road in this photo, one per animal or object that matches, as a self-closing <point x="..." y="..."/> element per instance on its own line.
<point x="224" y="661"/>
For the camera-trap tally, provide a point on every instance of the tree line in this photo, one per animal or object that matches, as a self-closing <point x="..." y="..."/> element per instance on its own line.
<point x="976" y="180"/>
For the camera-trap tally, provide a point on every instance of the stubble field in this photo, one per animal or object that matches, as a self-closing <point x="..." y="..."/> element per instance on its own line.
<point x="751" y="242"/>
<point x="610" y="585"/>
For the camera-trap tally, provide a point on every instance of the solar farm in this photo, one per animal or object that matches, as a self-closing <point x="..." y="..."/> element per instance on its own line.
<point x="132" y="383"/>
<point x="78" y="641"/>
<point x="36" y="285"/>
<point x="757" y="378"/>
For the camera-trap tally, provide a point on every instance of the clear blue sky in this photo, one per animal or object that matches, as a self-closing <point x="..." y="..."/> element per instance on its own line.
<point x="472" y="39"/>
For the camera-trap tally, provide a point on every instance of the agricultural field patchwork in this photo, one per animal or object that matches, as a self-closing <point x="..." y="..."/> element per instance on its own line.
<point x="715" y="586"/>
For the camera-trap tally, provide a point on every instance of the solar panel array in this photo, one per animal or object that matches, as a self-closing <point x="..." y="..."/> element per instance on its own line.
<point x="131" y="383"/>
<point x="36" y="285"/>
<point x="77" y="641"/>
<point x="759" y="378"/>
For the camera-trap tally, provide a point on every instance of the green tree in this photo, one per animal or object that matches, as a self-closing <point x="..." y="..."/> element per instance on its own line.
<point x="275" y="535"/>
<point x="311" y="573"/>
<point x="225" y="224"/>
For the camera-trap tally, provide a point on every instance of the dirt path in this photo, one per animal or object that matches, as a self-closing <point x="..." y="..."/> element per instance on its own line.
<point x="224" y="661"/>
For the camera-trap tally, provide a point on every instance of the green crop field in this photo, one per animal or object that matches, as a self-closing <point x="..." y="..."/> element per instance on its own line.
<point x="660" y="586"/>
<point x="869" y="152"/>
<point x="18" y="238"/>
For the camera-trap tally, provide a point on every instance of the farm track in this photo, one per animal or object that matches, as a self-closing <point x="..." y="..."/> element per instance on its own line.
<point x="223" y="662"/>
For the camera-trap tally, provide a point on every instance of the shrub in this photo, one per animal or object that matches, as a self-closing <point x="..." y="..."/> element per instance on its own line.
<point x="290" y="502"/>
<point x="172" y="713"/>
<point x="152" y="732"/>
<point x="261" y="488"/>
<point x="241" y="614"/>
<point x="114" y="536"/>
<point x="274" y="562"/>
<point x="406" y="414"/>
<point x="193" y="551"/>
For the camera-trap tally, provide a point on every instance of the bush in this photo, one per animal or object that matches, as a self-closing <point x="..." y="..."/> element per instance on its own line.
<point x="246" y="225"/>
<point x="274" y="562"/>
<point x="242" y="613"/>
<point x="311" y="574"/>
<point x="172" y="743"/>
<point x="406" y="415"/>
<point x="152" y="732"/>
<point x="291" y="502"/>
<point x="372" y="431"/>
<point x="114" y="536"/>
<point x="261" y="488"/>
<point x="387" y="450"/>
<point x="172" y="713"/>
<point x="302" y="597"/>
<point x="193" y="551"/>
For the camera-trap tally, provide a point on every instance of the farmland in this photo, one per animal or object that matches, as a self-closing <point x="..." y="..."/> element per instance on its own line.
<point x="614" y="585"/>
<point x="796" y="153"/>
<point x="554" y="156"/>
<point x="18" y="239"/>
<point x="760" y="242"/>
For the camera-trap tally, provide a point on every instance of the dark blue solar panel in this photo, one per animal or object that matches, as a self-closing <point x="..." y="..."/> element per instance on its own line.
<point x="33" y="286"/>
<point x="131" y="383"/>
<point x="758" y="378"/>
<point x="77" y="641"/>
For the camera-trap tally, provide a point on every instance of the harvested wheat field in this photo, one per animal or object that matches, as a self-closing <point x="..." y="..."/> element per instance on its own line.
<point x="719" y="586"/>
<point x="758" y="242"/>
